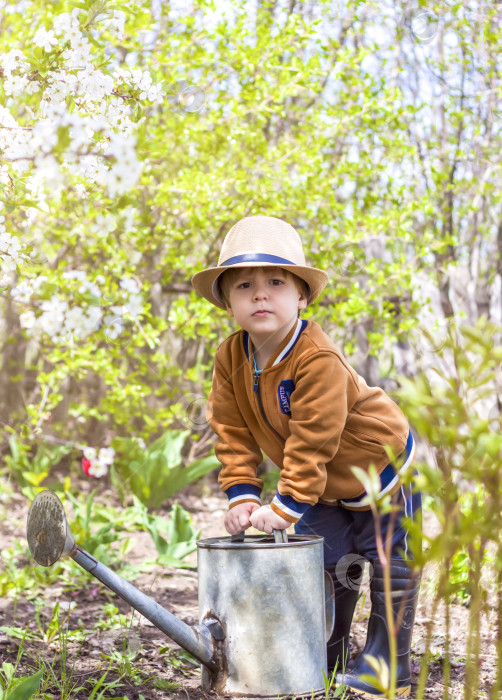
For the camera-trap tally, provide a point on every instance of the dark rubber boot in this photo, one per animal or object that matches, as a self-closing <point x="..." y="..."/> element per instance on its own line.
<point x="346" y="582"/>
<point x="403" y="588"/>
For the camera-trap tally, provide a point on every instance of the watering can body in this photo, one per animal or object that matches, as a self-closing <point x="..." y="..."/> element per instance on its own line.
<point x="269" y="598"/>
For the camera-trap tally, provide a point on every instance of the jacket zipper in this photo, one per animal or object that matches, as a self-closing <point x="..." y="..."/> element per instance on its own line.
<point x="256" y="390"/>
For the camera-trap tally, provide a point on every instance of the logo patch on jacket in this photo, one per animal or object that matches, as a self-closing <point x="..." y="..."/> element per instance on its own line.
<point x="285" y="390"/>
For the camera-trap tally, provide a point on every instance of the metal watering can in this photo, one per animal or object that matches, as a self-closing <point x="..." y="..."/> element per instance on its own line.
<point x="266" y="605"/>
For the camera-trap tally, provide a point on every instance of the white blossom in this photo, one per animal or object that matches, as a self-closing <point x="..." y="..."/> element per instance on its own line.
<point x="93" y="318"/>
<point x="45" y="38"/>
<point x="129" y="285"/>
<point x="106" y="455"/>
<point x="52" y="319"/>
<point x="153" y="94"/>
<point x="38" y="282"/>
<point x="4" y="174"/>
<point x="15" y="85"/>
<point x="89" y="453"/>
<point x="104" y="224"/>
<point x="94" y="289"/>
<point x="74" y="275"/>
<point x="134" y="304"/>
<point x="9" y="248"/>
<point x="61" y="84"/>
<point x="49" y="173"/>
<point x="94" y="84"/>
<point x="141" y="80"/>
<point x="28" y="319"/>
<point x="23" y="292"/>
<point x="129" y="214"/>
<point x="44" y="135"/>
<point x="80" y="44"/>
<point x="67" y="25"/>
<point x="6" y="118"/>
<point x="125" y="172"/>
<point x="114" y="326"/>
<point x="73" y="322"/>
<point x="118" y="310"/>
<point x="115" y="22"/>
<point x="97" y="469"/>
<point x="14" y="60"/>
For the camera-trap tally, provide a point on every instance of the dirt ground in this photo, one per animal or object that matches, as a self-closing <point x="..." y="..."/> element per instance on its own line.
<point x="172" y="675"/>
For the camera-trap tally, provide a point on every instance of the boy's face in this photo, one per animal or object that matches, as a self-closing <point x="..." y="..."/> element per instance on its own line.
<point x="265" y="302"/>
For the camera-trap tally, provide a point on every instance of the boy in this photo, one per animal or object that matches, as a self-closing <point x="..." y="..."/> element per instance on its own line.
<point x="280" y="385"/>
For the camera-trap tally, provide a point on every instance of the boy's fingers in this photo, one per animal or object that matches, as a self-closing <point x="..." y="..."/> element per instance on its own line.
<point x="236" y="528"/>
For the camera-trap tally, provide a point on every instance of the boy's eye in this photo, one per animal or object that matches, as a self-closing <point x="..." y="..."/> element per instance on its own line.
<point x="277" y="281"/>
<point x="243" y="285"/>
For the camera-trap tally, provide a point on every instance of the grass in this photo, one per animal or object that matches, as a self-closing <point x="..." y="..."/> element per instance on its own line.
<point x="45" y="669"/>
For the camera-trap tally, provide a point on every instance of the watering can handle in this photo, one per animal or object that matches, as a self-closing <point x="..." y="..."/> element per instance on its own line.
<point x="280" y="536"/>
<point x="329" y="603"/>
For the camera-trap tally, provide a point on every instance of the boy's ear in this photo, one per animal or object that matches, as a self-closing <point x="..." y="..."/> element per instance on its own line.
<point x="302" y="302"/>
<point x="229" y="310"/>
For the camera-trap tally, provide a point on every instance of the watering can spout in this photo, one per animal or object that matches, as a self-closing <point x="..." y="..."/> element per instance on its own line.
<point x="50" y="538"/>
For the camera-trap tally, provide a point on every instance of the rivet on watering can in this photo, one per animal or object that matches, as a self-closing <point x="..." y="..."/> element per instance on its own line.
<point x="214" y="627"/>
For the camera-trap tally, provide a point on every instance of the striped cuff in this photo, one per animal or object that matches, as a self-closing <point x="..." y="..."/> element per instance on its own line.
<point x="243" y="493"/>
<point x="288" y="508"/>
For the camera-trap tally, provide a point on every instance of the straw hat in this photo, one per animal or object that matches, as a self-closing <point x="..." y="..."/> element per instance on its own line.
<point x="260" y="241"/>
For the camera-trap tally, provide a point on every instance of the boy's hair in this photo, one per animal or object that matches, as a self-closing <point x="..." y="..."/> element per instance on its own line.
<point x="226" y="280"/>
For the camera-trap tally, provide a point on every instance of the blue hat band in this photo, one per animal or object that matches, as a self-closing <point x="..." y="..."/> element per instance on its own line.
<point x="256" y="257"/>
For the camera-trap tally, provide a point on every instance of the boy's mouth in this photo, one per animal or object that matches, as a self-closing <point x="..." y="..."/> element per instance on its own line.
<point x="261" y="312"/>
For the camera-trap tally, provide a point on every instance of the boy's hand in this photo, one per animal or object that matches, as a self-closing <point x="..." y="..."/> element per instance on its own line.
<point x="265" y="520"/>
<point x="237" y="518"/>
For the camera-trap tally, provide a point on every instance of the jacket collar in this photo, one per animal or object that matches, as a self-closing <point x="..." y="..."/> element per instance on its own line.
<point x="284" y="348"/>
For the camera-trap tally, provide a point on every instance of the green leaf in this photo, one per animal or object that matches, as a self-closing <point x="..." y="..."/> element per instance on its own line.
<point x="27" y="687"/>
<point x="155" y="474"/>
<point x="34" y="479"/>
<point x="53" y="626"/>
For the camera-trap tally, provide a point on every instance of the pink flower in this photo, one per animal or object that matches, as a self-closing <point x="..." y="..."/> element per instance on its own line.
<point x="86" y="465"/>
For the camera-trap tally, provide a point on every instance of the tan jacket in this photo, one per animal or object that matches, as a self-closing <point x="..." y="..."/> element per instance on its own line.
<point x="313" y="415"/>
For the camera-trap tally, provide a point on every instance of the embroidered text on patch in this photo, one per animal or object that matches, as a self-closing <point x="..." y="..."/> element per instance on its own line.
<point x="285" y="390"/>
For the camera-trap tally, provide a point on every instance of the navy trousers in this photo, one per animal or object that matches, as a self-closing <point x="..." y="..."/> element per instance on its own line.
<point x="348" y="532"/>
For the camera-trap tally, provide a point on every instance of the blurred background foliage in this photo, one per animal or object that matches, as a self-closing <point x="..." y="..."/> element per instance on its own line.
<point x="373" y="128"/>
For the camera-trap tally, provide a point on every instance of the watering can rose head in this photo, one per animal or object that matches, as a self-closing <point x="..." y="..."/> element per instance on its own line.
<point x="96" y="465"/>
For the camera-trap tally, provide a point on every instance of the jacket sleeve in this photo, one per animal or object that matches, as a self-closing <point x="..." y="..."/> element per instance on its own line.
<point x="325" y="391"/>
<point x="236" y="448"/>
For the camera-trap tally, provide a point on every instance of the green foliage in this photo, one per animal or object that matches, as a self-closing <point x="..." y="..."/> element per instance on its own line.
<point x="19" y="577"/>
<point x="99" y="684"/>
<point x="13" y="686"/>
<point x="459" y="575"/>
<point x="26" y="687"/>
<point x="310" y="135"/>
<point x="329" y="691"/>
<point x="29" y="472"/>
<point x="455" y="407"/>
<point x="157" y="472"/>
<point x="181" y="537"/>
<point x="270" y="480"/>
<point x="94" y="541"/>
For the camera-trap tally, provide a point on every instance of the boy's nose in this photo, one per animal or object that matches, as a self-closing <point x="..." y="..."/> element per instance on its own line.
<point x="260" y="291"/>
